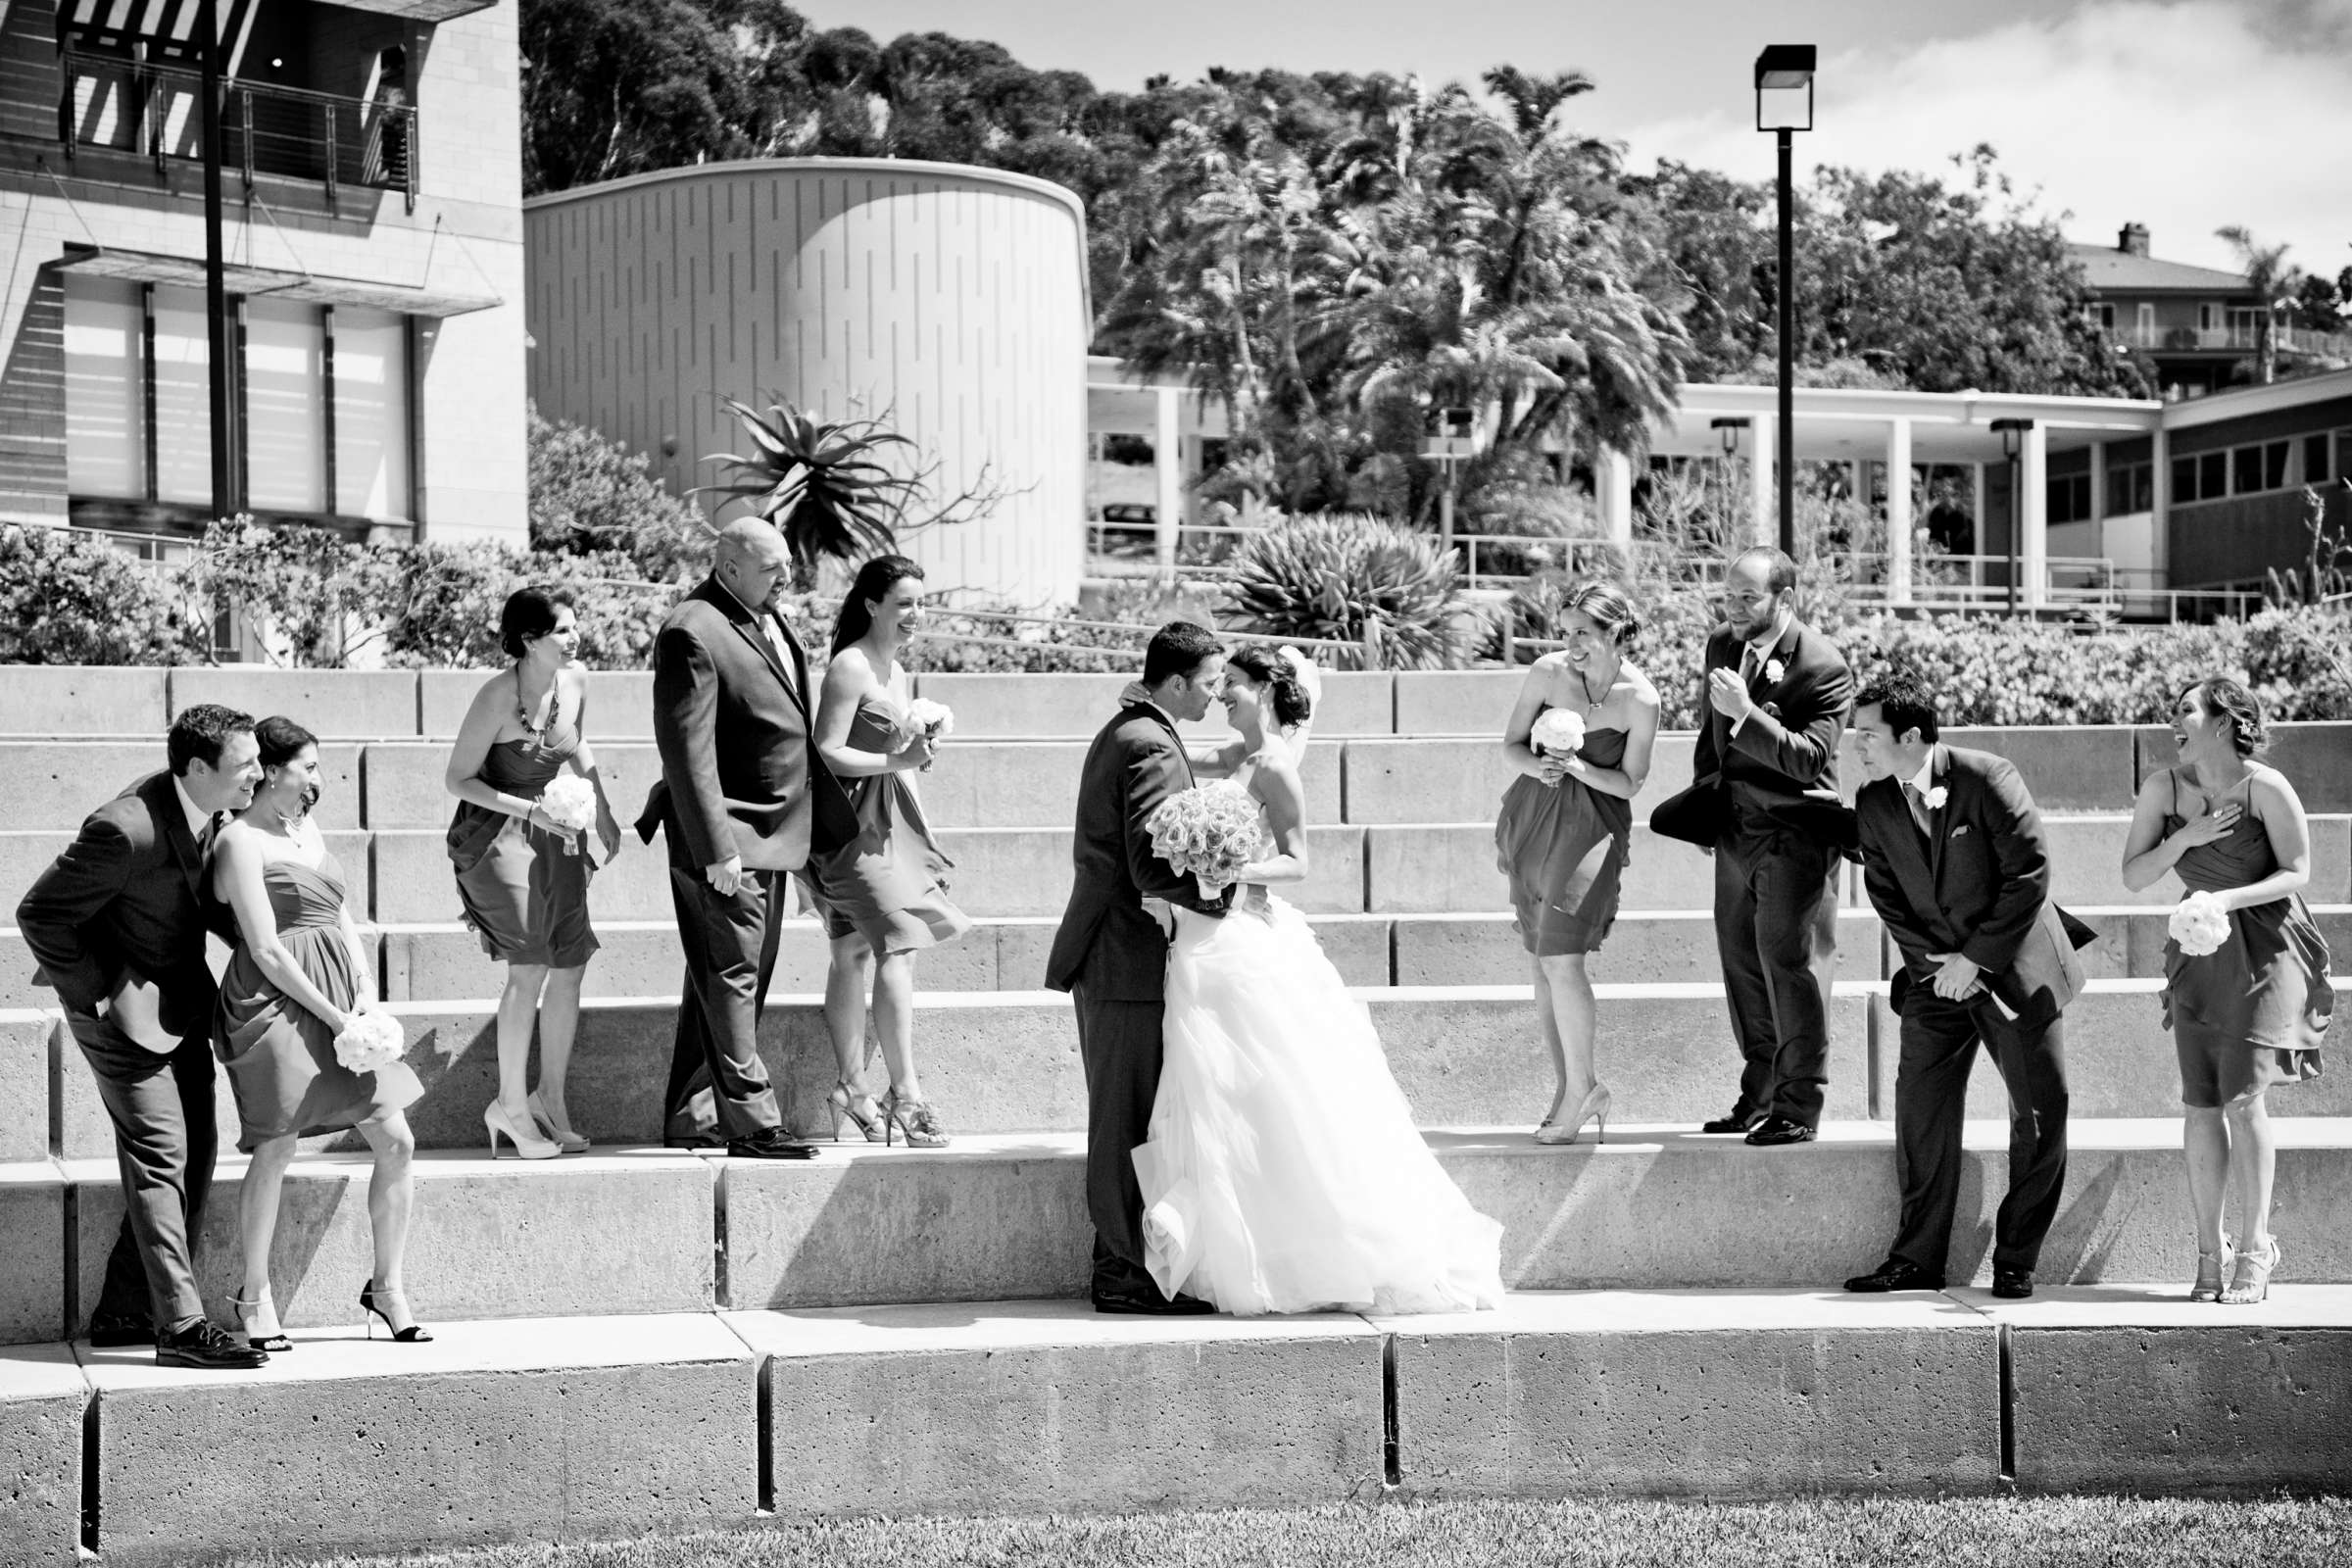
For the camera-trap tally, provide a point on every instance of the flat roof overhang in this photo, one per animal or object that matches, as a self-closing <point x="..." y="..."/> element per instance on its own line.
<point x="266" y="283"/>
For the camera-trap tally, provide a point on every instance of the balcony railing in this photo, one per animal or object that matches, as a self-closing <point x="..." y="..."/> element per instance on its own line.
<point x="152" y="111"/>
<point x="2242" y="338"/>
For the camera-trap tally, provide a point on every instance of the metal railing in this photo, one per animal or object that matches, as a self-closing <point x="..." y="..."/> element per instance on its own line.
<point x="153" y="110"/>
<point x="2240" y="337"/>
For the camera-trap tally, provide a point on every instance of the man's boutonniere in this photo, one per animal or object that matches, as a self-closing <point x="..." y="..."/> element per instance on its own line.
<point x="1937" y="796"/>
<point x="1775" y="671"/>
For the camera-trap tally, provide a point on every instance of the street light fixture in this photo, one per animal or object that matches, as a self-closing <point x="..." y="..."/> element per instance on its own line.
<point x="1449" y="445"/>
<point x="2013" y="436"/>
<point x="1785" y="106"/>
<point x="1729" y="432"/>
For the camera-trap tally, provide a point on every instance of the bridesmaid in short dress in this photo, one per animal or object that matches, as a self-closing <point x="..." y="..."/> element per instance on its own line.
<point x="295" y="979"/>
<point x="884" y="895"/>
<point x="523" y="881"/>
<point x="1562" y="836"/>
<point x="2251" y="1014"/>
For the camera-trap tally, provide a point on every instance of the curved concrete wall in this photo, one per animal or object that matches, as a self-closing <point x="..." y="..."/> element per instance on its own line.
<point x="950" y="299"/>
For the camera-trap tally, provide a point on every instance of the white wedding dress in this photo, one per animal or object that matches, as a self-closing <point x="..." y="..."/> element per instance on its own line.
<point x="1282" y="1172"/>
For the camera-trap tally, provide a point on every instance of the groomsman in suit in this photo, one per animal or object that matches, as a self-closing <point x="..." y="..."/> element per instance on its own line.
<point x="743" y="798"/>
<point x="1957" y="867"/>
<point x="118" y="924"/>
<point x="1111" y="951"/>
<point x="1777" y="695"/>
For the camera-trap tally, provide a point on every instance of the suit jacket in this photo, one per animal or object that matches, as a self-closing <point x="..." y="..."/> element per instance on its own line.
<point x="125" y="900"/>
<point x="1781" y="766"/>
<point x="739" y="774"/>
<point x="1978" y="884"/>
<point x="1135" y="761"/>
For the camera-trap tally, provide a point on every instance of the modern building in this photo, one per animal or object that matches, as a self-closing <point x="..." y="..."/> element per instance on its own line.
<point x="949" y="303"/>
<point x="374" y="241"/>
<point x="2197" y="328"/>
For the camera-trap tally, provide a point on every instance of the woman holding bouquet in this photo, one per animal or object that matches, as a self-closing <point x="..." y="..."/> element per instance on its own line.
<point x="297" y="978"/>
<point x="2246" y="989"/>
<point x="1580" y="738"/>
<point x="884" y="893"/>
<point x="1282" y="1172"/>
<point x="528" y="787"/>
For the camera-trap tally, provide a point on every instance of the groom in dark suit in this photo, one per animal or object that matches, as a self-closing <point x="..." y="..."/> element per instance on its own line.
<point x="118" y="924"/>
<point x="1776" y="694"/>
<point x="1957" y="867"/>
<point x="1111" y="951"/>
<point x="743" y="798"/>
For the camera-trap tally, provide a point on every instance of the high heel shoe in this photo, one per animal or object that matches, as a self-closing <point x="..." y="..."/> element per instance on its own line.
<point x="2250" y="1280"/>
<point x="870" y="1121"/>
<point x="914" y="1119"/>
<point x="1596" y="1108"/>
<point x="273" y="1341"/>
<point x="527" y="1143"/>
<point x="2212" y="1269"/>
<point x="413" y="1334"/>
<point x="562" y="1137"/>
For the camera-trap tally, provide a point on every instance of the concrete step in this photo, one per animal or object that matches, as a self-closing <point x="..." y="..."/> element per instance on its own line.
<point x="32" y="1241"/>
<point x="1007" y="1061"/>
<point x="621" y="1231"/>
<point x="1648" y="1209"/>
<point x="692" y="1421"/>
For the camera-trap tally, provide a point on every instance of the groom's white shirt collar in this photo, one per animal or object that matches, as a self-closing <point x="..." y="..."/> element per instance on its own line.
<point x="1925" y="779"/>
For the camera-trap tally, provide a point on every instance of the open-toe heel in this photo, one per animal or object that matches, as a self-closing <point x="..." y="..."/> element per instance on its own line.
<point x="843" y="1100"/>
<point x="272" y="1340"/>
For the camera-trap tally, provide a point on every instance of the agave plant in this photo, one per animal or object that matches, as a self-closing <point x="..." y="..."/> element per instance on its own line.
<point x="823" y="484"/>
<point x="1352" y="578"/>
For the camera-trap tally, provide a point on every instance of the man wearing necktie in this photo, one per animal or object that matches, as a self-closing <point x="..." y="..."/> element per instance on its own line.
<point x="1956" y="864"/>
<point x="1777" y="693"/>
<point x="742" y="799"/>
<point x="118" y="924"/>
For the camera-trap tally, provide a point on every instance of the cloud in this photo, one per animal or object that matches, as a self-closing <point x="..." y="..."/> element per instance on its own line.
<point x="2181" y="115"/>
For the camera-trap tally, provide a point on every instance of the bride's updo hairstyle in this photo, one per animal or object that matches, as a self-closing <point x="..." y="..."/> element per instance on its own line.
<point x="1608" y="606"/>
<point x="1269" y="669"/>
<point x="2225" y="697"/>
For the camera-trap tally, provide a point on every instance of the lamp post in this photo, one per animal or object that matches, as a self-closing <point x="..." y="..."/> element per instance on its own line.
<point x="1785" y="106"/>
<point x="2013" y="434"/>
<point x="215" y="292"/>
<point x="1449" y="446"/>
<point x="1729" y="431"/>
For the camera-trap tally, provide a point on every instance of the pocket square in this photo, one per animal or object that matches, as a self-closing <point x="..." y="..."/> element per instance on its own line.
<point x="1962" y="828"/>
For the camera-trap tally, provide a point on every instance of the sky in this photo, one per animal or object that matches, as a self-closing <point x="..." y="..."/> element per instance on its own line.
<point x="2182" y="115"/>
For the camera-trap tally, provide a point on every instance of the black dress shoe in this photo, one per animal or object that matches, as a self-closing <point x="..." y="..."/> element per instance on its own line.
<point x="2013" y="1284"/>
<point x="1738" y="1122"/>
<point x="111" y="1333"/>
<point x="1776" y="1130"/>
<point x="1895" y="1274"/>
<point x="1148" y="1302"/>
<point x="773" y="1143"/>
<point x="200" y="1343"/>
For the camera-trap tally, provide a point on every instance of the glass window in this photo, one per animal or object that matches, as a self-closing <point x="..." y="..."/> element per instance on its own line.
<point x="2245" y="470"/>
<point x="2131" y="487"/>
<point x="2212" y="476"/>
<point x="372" y="414"/>
<point x="2185" y="479"/>
<point x="2274" y="466"/>
<point x="2315" y="459"/>
<point x="183" y="404"/>
<point x="106" y="389"/>
<point x="285" y="407"/>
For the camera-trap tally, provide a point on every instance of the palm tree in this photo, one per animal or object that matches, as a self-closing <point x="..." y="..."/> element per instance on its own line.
<point x="2273" y="281"/>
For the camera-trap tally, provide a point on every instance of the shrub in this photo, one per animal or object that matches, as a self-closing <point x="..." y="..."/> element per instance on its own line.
<point x="1354" y="579"/>
<point x="70" y="598"/>
<point x="592" y="496"/>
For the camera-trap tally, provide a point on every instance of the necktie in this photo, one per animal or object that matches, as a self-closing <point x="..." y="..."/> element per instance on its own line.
<point x="783" y="649"/>
<point x="1919" y="809"/>
<point x="1749" y="662"/>
<point x="212" y="830"/>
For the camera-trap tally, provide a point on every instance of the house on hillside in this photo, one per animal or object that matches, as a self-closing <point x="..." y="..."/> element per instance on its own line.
<point x="2197" y="328"/>
<point x="371" y="168"/>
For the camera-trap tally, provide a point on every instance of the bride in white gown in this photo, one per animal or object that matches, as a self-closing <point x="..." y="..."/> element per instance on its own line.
<point x="1282" y="1172"/>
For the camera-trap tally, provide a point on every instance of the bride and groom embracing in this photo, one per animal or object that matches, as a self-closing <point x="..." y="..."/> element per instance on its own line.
<point x="1246" y="1149"/>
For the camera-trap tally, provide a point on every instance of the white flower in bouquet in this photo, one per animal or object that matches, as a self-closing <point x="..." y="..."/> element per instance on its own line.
<point x="1558" y="732"/>
<point x="372" y="1039"/>
<point x="1208" y="833"/>
<point x="569" y="801"/>
<point x="925" y="718"/>
<point x="2200" y="925"/>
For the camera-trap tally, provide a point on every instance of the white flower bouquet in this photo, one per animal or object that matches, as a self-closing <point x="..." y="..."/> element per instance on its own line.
<point x="925" y="718"/>
<point x="2200" y="924"/>
<point x="1558" y="732"/>
<point x="1208" y="833"/>
<point x="569" y="801"/>
<point x="372" y="1039"/>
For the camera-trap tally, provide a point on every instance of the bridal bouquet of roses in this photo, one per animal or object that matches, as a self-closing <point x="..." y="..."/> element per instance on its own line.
<point x="925" y="718"/>
<point x="1208" y="833"/>
<point x="1558" y="732"/>
<point x="372" y="1039"/>
<point x="2200" y="924"/>
<point x="569" y="801"/>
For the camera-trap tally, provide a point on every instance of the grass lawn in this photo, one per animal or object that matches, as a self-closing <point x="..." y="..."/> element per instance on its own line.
<point x="1958" y="1533"/>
